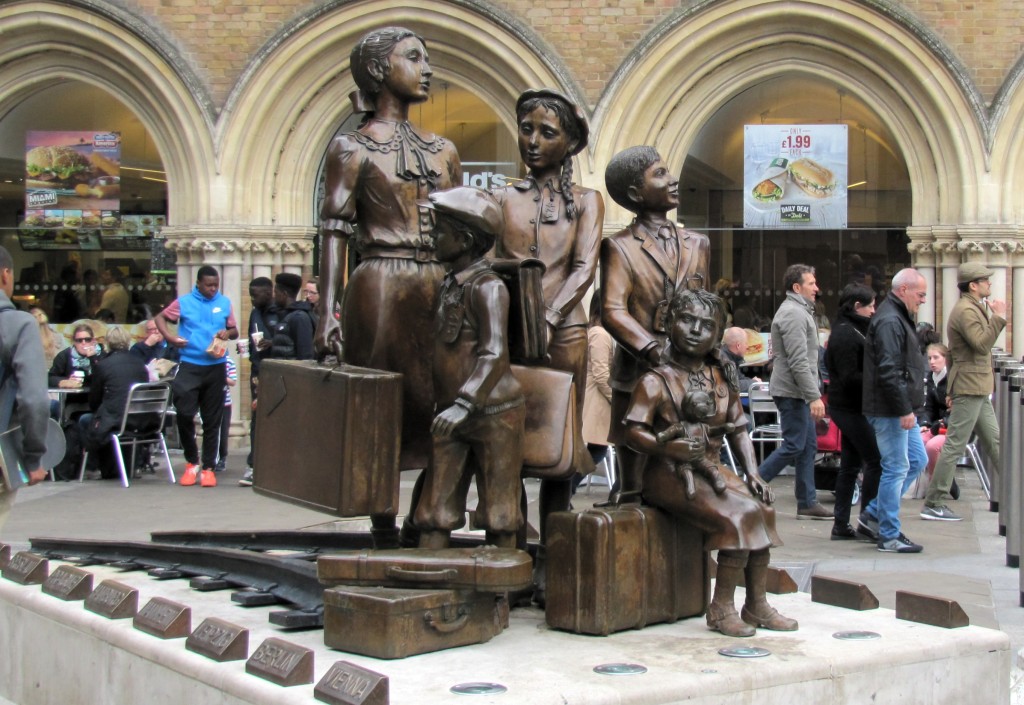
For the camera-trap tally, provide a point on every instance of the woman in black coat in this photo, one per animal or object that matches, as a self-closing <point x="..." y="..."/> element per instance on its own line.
<point x="844" y="358"/>
<point x="112" y="378"/>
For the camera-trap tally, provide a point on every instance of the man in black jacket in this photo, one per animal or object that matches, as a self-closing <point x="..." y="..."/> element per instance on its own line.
<point x="894" y="370"/>
<point x="293" y="335"/>
<point x="263" y="319"/>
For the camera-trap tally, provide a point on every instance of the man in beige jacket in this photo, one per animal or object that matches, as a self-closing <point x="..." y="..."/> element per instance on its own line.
<point x="974" y="324"/>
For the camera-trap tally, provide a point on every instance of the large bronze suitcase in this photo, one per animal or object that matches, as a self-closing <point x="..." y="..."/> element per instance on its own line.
<point x="328" y="438"/>
<point x="395" y="623"/>
<point x="623" y="568"/>
<point x="483" y="569"/>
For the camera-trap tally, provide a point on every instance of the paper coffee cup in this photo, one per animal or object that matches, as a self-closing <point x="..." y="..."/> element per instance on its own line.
<point x="243" y="348"/>
<point x="257" y="337"/>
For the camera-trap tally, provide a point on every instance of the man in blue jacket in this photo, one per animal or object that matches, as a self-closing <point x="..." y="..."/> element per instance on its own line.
<point x="203" y="316"/>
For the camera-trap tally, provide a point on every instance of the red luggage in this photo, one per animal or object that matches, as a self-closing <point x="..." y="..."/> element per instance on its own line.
<point x="623" y="568"/>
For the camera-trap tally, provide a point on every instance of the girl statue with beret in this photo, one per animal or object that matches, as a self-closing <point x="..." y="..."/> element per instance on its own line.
<point x="548" y="217"/>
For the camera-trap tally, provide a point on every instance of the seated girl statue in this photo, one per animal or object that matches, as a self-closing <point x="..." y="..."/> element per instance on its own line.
<point x="738" y="521"/>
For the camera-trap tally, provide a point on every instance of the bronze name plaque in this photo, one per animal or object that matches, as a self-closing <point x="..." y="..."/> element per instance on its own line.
<point x="281" y="662"/>
<point x="842" y="593"/>
<point x="348" y="684"/>
<point x="5" y="555"/>
<point x="68" y="583"/>
<point x="164" y="618"/>
<point x="113" y="600"/>
<point x="27" y="569"/>
<point x="219" y="640"/>
<point x="926" y="609"/>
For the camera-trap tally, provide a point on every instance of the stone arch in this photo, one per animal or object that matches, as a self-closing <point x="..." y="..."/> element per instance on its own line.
<point x="269" y="150"/>
<point x="1008" y="146"/>
<point x="695" y="61"/>
<point x="98" y="44"/>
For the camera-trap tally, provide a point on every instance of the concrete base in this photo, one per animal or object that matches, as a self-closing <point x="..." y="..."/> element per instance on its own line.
<point x="72" y="656"/>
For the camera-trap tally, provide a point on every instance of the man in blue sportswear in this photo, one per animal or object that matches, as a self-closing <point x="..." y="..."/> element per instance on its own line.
<point x="202" y="315"/>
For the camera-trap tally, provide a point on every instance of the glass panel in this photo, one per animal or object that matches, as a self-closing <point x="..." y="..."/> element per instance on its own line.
<point x="747" y="265"/>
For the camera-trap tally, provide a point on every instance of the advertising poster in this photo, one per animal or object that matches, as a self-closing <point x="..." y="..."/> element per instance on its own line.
<point x="136" y="232"/>
<point x="72" y="179"/>
<point x="795" y="176"/>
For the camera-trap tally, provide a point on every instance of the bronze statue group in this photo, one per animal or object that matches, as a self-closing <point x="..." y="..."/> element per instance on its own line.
<point x="424" y="300"/>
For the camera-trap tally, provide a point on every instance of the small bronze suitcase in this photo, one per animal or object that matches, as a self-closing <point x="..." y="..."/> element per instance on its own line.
<point x="395" y="623"/>
<point x="483" y="569"/>
<point x="328" y="438"/>
<point x="623" y="568"/>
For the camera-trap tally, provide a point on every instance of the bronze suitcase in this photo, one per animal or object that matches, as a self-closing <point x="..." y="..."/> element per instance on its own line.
<point x="623" y="568"/>
<point x="483" y="569"/>
<point x="395" y="623"/>
<point x="328" y="438"/>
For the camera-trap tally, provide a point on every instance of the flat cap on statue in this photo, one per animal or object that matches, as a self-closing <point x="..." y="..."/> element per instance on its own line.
<point x="472" y="206"/>
<point x="972" y="271"/>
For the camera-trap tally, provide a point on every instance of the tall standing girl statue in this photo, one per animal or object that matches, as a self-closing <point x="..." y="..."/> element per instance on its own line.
<point x="548" y="217"/>
<point x="375" y="177"/>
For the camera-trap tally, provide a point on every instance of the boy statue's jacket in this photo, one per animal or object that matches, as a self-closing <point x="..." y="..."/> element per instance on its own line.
<point x="471" y="360"/>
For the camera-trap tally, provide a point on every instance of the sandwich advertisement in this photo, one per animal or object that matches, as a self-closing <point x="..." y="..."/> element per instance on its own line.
<point x="72" y="179"/>
<point x="794" y="176"/>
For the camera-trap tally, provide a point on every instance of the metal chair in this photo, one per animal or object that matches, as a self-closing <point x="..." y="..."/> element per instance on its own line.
<point x="761" y="403"/>
<point x="974" y="456"/>
<point x="146" y="402"/>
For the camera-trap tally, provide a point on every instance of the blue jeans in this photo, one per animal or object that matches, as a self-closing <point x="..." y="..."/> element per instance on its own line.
<point x="903" y="459"/>
<point x="799" y="444"/>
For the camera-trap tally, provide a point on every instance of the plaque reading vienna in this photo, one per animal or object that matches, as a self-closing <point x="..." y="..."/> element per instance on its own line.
<point x="219" y="640"/>
<point x="113" y="600"/>
<point x="348" y="684"/>
<point x="27" y="568"/>
<point x="164" y="618"/>
<point x="281" y="662"/>
<point x="68" y="583"/>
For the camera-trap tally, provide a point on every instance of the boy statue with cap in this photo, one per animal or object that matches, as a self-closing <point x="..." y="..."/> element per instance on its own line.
<point x="974" y="324"/>
<point x="480" y="411"/>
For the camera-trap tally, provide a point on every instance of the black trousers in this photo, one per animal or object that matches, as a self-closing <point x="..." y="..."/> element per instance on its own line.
<point x="859" y="451"/>
<point x="199" y="389"/>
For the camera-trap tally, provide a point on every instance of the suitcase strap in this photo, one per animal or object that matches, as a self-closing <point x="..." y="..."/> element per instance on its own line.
<point x="447" y="627"/>
<point x="421" y="576"/>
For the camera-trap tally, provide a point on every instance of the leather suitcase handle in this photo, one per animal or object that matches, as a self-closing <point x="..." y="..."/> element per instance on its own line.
<point x="421" y="576"/>
<point x="447" y="627"/>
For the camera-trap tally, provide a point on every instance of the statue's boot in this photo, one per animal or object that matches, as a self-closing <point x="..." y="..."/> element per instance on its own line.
<point x="629" y="482"/>
<point x="554" y="497"/>
<point x="722" y="614"/>
<point x="756" y="610"/>
<point x="501" y="539"/>
<point x="383" y="531"/>
<point x="434" y="539"/>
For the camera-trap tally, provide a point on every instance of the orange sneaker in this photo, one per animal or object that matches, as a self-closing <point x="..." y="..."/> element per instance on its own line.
<point x="189" y="478"/>
<point x="207" y="478"/>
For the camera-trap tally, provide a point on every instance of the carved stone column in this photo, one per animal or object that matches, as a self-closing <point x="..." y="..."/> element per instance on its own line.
<point x="922" y="258"/>
<point x="240" y="253"/>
